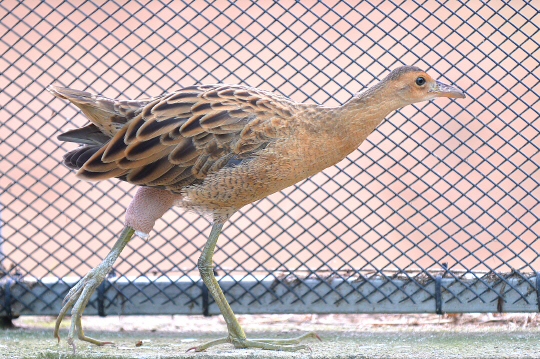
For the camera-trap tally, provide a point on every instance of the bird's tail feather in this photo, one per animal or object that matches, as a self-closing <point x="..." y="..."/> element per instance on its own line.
<point x="107" y="114"/>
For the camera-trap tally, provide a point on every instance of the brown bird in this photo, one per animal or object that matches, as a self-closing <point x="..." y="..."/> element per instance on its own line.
<point x="214" y="149"/>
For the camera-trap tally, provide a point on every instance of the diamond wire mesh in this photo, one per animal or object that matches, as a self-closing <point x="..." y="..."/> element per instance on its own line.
<point x="439" y="185"/>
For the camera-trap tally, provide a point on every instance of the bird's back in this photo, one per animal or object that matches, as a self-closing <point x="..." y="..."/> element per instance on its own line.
<point x="180" y="139"/>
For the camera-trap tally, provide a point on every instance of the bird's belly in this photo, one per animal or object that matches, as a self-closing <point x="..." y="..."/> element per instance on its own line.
<point x="232" y="188"/>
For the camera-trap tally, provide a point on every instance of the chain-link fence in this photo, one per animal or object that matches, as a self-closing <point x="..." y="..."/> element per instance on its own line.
<point x="437" y="211"/>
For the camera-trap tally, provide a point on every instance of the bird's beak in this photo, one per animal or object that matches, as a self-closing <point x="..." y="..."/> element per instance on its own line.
<point x="443" y="90"/>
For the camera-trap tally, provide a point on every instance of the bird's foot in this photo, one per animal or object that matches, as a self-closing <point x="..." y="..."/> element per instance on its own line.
<point x="78" y="296"/>
<point x="290" y="345"/>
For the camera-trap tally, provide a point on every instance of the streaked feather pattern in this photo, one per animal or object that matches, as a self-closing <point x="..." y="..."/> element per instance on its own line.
<point x="223" y="146"/>
<point x="174" y="140"/>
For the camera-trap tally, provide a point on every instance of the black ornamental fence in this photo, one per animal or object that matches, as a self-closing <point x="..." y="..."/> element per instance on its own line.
<point x="438" y="211"/>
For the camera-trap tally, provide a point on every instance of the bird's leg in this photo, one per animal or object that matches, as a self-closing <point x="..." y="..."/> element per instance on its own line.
<point x="79" y="295"/>
<point x="236" y="336"/>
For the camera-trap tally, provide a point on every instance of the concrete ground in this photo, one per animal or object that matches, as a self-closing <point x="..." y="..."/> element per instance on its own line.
<point x="344" y="336"/>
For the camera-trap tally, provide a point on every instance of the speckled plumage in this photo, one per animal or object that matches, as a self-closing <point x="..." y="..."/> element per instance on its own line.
<point x="220" y="146"/>
<point x="179" y="139"/>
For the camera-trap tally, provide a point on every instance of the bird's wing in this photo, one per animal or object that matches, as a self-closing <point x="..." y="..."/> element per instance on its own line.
<point x="179" y="138"/>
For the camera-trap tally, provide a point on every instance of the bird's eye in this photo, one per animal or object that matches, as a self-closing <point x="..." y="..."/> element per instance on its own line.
<point x="420" y="81"/>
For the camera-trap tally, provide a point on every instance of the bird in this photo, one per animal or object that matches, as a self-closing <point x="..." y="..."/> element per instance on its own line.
<point x="213" y="149"/>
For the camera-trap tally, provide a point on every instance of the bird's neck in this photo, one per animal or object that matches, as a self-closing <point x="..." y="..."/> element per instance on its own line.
<point x="364" y="112"/>
<point x="330" y="134"/>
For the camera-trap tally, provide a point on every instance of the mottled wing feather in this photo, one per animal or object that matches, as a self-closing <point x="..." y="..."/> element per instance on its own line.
<point x="88" y="135"/>
<point x="179" y="138"/>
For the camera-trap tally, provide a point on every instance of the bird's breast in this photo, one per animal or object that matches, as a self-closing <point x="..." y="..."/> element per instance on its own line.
<point x="283" y="163"/>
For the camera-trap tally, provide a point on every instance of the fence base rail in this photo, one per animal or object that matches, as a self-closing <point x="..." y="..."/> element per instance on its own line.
<point x="270" y="294"/>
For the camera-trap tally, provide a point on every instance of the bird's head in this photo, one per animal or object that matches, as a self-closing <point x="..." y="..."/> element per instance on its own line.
<point x="410" y="85"/>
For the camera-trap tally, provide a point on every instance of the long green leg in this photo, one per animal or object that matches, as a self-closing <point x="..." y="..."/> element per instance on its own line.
<point x="207" y="274"/>
<point x="236" y="336"/>
<point x="79" y="295"/>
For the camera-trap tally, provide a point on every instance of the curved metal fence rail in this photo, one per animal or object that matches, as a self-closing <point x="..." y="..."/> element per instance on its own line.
<point x="437" y="211"/>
